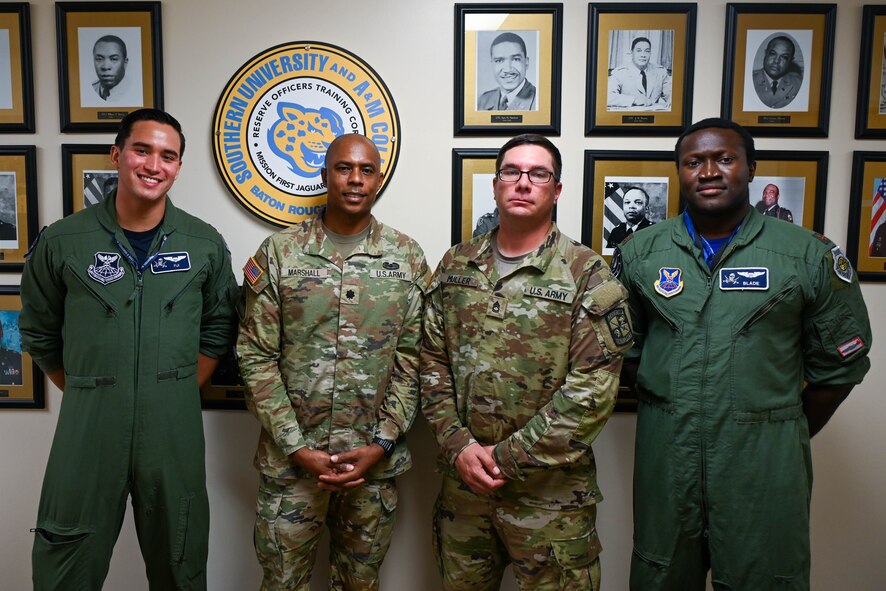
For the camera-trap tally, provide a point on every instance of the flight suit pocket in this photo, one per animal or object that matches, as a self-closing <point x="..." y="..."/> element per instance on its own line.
<point x="58" y="551"/>
<point x="179" y="323"/>
<point x="180" y="542"/>
<point x="91" y="327"/>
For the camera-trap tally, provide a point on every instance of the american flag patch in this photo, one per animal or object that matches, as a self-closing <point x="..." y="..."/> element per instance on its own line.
<point x="850" y="347"/>
<point x="252" y="271"/>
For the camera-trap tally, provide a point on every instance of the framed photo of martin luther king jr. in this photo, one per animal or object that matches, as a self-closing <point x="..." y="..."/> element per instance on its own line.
<point x="18" y="205"/>
<point x="777" y="68"/>
<point x="16" y="71"/>
<point x="110" y="62"/>
<point x="507" y="68"/>
<point x="870" y="114"/>
<point x="21" y="381"/>
<point x="640" y="68"/>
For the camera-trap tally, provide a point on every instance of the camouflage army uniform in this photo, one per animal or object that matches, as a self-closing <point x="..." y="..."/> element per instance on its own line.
<point x="329" y="352"/>
<point x="529" y="363"/>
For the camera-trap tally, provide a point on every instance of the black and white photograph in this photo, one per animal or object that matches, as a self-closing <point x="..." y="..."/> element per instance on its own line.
<point x="631" y="204"/>
<point x="484" y="213"/>
<point x="110" y="67"/>
<point x="640" y="70"/>
<point x="780" y="197"/>
<point x="507" y="70"/>
<point x="98" y="185"/>
<point x="5" y="71"/>
<point x="778" y="67"/>
<point x="10" y="349"/>
<point x="8" y="211"/>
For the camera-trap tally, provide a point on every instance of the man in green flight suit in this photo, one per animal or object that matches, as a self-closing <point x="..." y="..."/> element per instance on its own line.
<point x="328" y="347"/>
<point x="749" y="334"/>
<point x="524" y="333"/>
<point x="127" y="305"/>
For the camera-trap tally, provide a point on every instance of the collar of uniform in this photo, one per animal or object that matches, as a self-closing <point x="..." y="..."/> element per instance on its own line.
<point x="482" y="254"/>
<point x="750" y="227"/>
<point x="107" y="215"/>
<point x="318" y="244"/>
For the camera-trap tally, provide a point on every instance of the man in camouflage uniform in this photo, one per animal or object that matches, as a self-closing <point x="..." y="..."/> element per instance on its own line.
<point x="328" y="348"/>
<point x="524" y="331"/>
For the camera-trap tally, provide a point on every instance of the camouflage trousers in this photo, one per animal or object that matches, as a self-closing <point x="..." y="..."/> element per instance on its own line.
<point x="290" y="515"/>
<point x="475" y="537"/>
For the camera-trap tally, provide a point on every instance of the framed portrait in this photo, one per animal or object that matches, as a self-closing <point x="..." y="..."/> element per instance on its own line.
<point x="778" y="66"/>
<point x="507" y="68"/>
<point x="870" y="114"/>
<point x="624" y="192"/>
<point x="18" y="205"/>
<point x="473" y="202"/>
<point x="225" y="389"/>
<point x="640" y="68"/>
<point x="110" y="62"/>
<point x="21" y="381"/>
<point x="866" y="238"/>
<point x="16" y="70"/>
<point x="88" y="177"/>
<point x="791" y="186"/>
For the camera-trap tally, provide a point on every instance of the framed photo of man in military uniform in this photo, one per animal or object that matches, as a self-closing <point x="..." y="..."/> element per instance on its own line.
<point x="866" y="238"/>
<point x="870" y="114"/>
<point x="21" y="381"/>
<point x="18" y="205"/>
<point x="88" y="176"/>
<point x="777" y="68"/>
<point x="792" y="186"/>
<point x="110" y="62"/>
<point x="16" y="71"/>
<point x="507" y="68"/>
<point x="640" y="68"/>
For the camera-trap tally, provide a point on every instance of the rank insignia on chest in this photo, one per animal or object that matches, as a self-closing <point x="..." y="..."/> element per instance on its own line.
<point x="106" y="268"/>
<point x="670" y="281"/>
<point x="841" y="265"/>
<point x="171" y="262"/>
<point x="497" y="307"/>
<point x="350" y="295"/>
<point x="744" y="278"/>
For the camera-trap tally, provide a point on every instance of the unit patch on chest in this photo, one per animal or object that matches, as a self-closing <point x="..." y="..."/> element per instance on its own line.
<point x="744" y="278"/>
<point x="106" y="268"/>
<point x="171" y="262"/>
<point x="670" y="281"/>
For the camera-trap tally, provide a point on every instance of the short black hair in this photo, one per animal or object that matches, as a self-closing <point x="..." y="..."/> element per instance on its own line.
<point x="629" y="189"/>
<point x="148" y="115"/>
<point x="509" y="38"/>
<point x="719" y="123"/>
<point x="111" y="39"/>
<point x="535" y="140"/>
<point x="785" y="40"/>
<point x="639" y="39"/>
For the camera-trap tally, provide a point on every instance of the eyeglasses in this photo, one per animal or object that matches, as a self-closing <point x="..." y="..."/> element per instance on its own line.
<point x="537" y="176"/>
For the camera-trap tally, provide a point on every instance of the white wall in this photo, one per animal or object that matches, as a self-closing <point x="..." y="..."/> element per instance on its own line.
<point x="410" y="44"/>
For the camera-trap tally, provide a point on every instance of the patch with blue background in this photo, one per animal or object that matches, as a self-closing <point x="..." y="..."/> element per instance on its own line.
<point x="744" y="278"/>
<point x="170" y="262"/>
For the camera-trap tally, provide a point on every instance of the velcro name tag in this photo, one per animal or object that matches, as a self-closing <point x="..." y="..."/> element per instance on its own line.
<point x="549" y="293"/>
<point x="171" y="262"/>
<point x="459" y="280"/>
<point x="744" y="278"/>
<point x="299" y="272"/>
<point x="385" y="274"/>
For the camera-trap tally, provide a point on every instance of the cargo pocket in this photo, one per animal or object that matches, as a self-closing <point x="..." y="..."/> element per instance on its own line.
<point x="578" y="562"/>
<point x="180" y="544"/>
<point x="61" y="554"/>
<point x="387" y="492"/>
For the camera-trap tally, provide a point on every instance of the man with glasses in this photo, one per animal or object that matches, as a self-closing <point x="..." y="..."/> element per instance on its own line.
<point x="523" y="339"/>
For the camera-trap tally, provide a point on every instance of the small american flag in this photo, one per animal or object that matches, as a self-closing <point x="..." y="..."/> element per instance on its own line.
<point x="252" y="271"/>
<point x="878" y="210"/>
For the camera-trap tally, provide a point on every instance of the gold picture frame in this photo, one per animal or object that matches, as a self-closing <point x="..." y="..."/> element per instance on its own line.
<point x="870" y="114"/>
<point x="18" y="205"/>
<point x="866" y="238"/>
<point x="16" y="75"/>
<point x="21" y="381"/>
<point x="88" y="176"/>
<point x="224" y="389"/>
<point x="800" y="178"/>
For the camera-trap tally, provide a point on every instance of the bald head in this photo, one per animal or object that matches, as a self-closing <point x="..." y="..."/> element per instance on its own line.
<point x="345" y="141"/>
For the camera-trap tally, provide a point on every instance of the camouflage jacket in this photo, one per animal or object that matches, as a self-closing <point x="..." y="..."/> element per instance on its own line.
<point x="328" y="349"/>
<point x="528" y="362"/>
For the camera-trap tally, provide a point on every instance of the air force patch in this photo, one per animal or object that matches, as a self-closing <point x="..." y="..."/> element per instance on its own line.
<point x="744" y="278"/>
<point x="107" y="268"/>
<point x="841" y="265"/>
<point x="670" y="281"/>
<point x="170" y="262"/>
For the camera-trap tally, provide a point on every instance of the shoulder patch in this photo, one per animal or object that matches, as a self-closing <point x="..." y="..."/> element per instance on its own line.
<point x="34" y="243"/>
<point x="601" y="298"/>
<point x="253" y="273"/>
<point x="615" y="266"/>
<point x="842" y="267"/>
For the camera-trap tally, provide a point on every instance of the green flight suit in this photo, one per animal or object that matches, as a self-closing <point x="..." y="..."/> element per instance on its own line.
<point x="130" y="420"/>
<point x="723" y="473"/>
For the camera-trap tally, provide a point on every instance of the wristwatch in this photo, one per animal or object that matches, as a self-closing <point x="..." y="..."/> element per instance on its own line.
<point x="386" y="444"/>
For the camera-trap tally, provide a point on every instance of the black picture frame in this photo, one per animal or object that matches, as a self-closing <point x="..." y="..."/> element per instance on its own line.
<point x="225" y="389"/>
<point x="870" y="112"/>
<point x="867" y="251"/>
<point x="21" y="381"/>
<point x="475" y="114"/>
<point x="17" y="108"/>
<point x="800" y="103"/>
<point x="86" y="171"/>
<point x="670" y="28"/>
<point x="18" y="205"/>
<point x="793" y="165"/>
<point x="80" y="27"/>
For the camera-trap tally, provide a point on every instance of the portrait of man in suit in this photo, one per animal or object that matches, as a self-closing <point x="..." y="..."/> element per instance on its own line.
<point x="510" y="64"/>
<point x="635" y="203"/>
<point x="110" y="67"/>
<point x="779" y="81"/>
